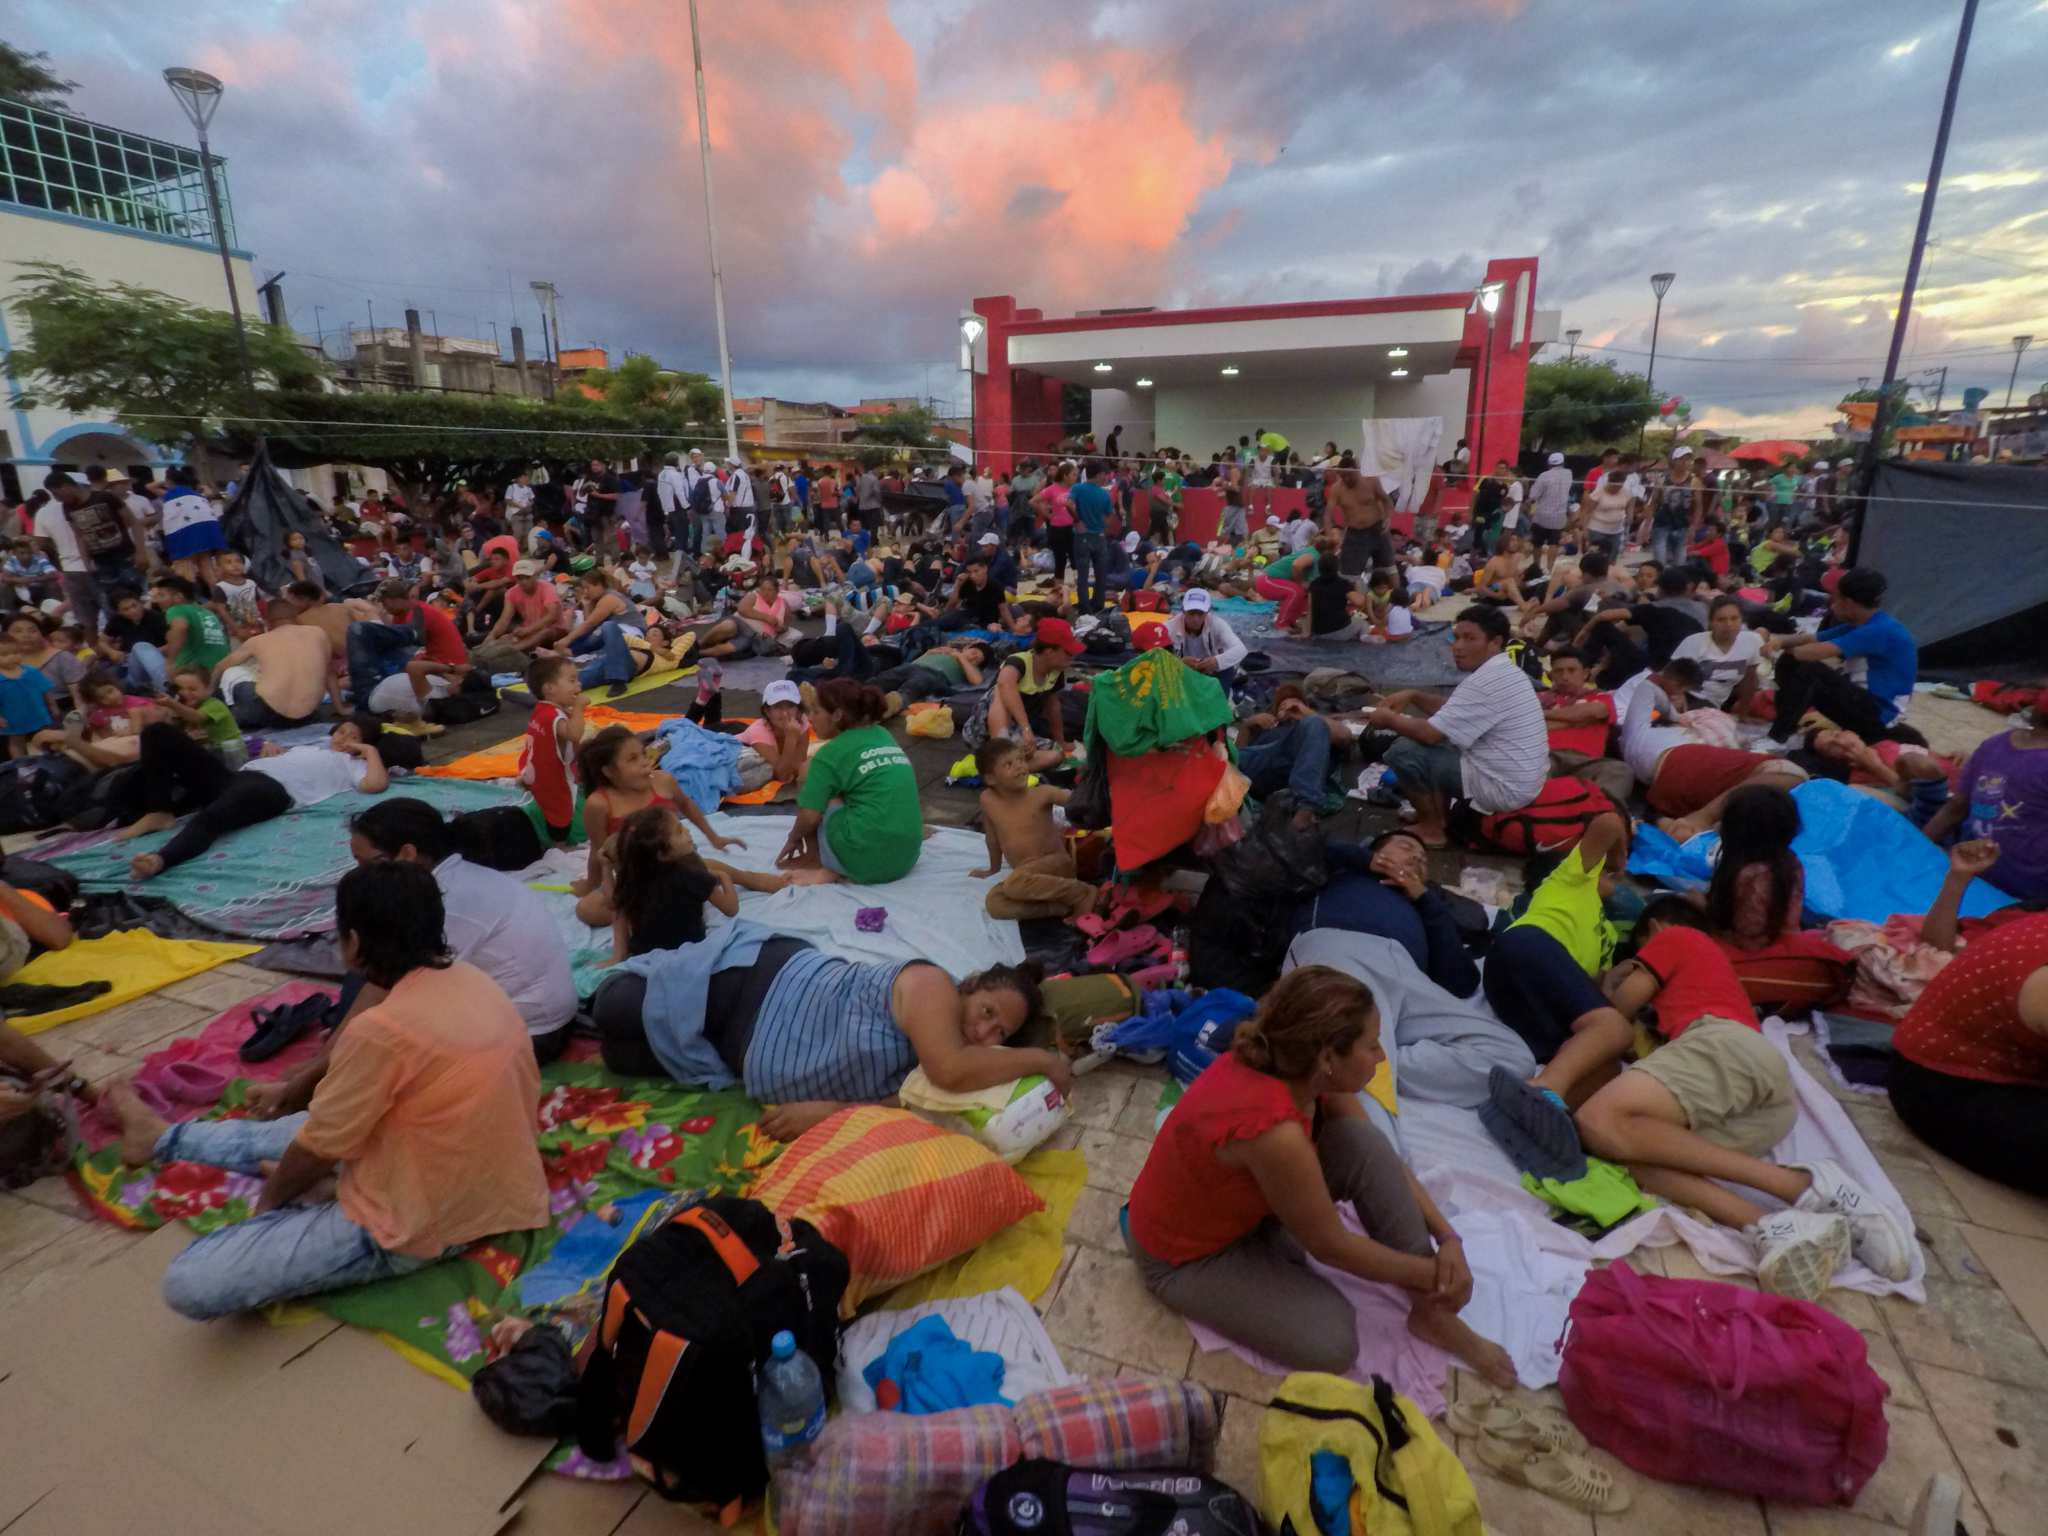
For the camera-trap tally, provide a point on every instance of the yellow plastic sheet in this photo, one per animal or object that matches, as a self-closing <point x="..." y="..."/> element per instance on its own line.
<point x="1026" y="1256"/>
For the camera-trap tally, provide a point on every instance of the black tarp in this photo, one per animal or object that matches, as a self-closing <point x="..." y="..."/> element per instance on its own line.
<point x="1964" y="550"/>
<point x="266" y="508"/>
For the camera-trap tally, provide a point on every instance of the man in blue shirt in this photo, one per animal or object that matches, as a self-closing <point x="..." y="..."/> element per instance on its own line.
<point x="1090" y="504"/>
<point x="1880" y="660"/>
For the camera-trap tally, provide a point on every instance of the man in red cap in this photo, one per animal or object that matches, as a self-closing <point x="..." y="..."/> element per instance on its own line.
<point x="1024" y="701"/>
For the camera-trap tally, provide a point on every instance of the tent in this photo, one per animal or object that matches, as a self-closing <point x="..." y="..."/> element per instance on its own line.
<point x="266" y="508"/>
<point x="1964" y="548"/>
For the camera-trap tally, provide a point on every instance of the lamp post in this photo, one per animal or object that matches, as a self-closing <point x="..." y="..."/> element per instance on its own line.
<point x="1571" y="338"/>
<point x="732" y="431"/>
<point x="2019" y="349"/>
<point x="198" y="94"/>
<point x="972" y="328"/>
<point x="1660" y="284"/>
<point x="1485" y="298"/>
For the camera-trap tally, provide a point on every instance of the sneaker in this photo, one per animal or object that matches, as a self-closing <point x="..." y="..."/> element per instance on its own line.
<point x="1881" y="1242"/>
<point x="1798" y="1252"/>
<point x="1938" y="1510"/>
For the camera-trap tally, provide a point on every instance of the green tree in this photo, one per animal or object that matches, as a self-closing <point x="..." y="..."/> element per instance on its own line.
<point x="907" y="433"/>
<point x="165" y="369"/>
<point x="427" y="442"/>
<point x="1578" y="403"/>
<point x="27" y="77"/>
<point x="639" y="383"/>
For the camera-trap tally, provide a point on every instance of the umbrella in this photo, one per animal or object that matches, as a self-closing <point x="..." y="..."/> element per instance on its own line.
<point x="1771" y="449"/>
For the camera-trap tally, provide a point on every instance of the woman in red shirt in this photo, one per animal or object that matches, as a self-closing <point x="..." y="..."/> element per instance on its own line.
<point x="1971" y="1073"/>
<point x="1243" y="1183"/>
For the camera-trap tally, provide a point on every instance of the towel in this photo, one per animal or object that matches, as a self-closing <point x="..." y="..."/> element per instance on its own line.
<point x="135" y="961"/>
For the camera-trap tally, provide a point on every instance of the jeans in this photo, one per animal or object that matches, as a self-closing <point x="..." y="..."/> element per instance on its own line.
<point x="375" y="651"/>
<point x="146" y="667"/>
<point x="1091" y="550"/>
<point x="1295" y="756"/>
<point x="252" y="714"/>
<point x="1668" y="545"/>
<point x="611" y="659"/>
<point x="296" y="1250"/>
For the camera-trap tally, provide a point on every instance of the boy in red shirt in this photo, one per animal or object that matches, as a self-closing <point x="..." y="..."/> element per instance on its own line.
<point x="553" y="734"/>
<point x="1579" y="719"/>
<point x="1700" y="1112"/>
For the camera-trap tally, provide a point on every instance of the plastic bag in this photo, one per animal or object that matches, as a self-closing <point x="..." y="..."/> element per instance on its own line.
<point x="531" y="1389"/>
<point x="929" y="719"/>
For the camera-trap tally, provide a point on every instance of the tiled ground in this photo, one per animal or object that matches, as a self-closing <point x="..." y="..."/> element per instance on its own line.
<point x="1968" y="1371"/>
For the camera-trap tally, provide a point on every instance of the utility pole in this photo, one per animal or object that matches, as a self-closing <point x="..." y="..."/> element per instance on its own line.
<point x="1660" y="284"/>
<point x="732" y="431"/>
<point x="1866" y="461"/>
<point x="550" y="329"/>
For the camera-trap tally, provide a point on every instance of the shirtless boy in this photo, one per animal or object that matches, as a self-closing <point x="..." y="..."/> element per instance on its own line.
<point x="1017" y="816"/>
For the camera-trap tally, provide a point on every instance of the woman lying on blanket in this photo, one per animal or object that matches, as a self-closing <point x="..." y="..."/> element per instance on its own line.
<point x="425" y="1118"/>
<point x="1971" y="1074"/>
<point x="808" y="1033"/>
<point x="618" y="779"/>
<point x="1243" y="1184"/>
<point x="177" y="774"/>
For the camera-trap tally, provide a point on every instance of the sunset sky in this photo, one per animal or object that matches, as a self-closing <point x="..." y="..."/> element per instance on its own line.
<point x="880" y="163"/>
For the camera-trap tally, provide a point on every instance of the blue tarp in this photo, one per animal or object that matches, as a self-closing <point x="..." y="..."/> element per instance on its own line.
<point x="1862" y="859"/>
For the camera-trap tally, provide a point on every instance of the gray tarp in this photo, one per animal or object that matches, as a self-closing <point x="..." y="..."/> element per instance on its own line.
<point x="1963" y="546"/>
<point x="266" y="508"/>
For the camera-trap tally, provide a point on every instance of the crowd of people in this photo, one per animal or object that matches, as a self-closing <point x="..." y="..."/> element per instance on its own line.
<point x="1694" y="689"/>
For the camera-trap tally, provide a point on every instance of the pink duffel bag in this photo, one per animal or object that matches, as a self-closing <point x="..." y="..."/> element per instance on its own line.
<point x="1696" y="1382"/>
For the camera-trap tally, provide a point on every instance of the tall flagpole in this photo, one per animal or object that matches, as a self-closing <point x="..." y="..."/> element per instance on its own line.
<point x="732" y="433"/>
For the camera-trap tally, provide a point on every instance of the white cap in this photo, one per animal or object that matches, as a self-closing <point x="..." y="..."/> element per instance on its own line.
<point x="1196" y="601"/>
<point x="1680" y="453"/>
<point x="1272" y="521"/>
<point x="782" y="691"/>
<point x="989" y="538"/>
<point x="1557" y="458"/>
<point x="1131" y="541"/>
<point x="696" y="453"/>
<point x="1820" y="463"/>
<point x="735" y="463"/>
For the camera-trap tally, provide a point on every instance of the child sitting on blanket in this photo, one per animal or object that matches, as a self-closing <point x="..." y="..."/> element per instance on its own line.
<point x="618" y="779"/>
<point x="659" y="885"/>
<point x="1017" y="816"/>
<point x="1699" y="1113"/>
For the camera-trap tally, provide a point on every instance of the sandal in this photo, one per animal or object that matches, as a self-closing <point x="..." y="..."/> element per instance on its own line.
<point x="1538" y="1428"/>
<point x="1124" y="944"/>
<point x="1561" y="1475"/>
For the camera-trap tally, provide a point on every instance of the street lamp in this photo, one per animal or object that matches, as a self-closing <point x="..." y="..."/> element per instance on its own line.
<point x="1571" y="338"/>
<point x="198" y="94"/>
<point x="2019" y="348"/>
<point x="1486" y="297"/>
<point x="972" y="329"/>
<point x="1660" y="284"/>
<point x="732" y="431"/>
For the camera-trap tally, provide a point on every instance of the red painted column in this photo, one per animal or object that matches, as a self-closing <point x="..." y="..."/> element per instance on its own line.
<point x="1494" y="430"/>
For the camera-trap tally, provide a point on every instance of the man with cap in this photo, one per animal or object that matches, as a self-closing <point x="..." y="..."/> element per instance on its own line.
<point x="1203" y="639"/>
<point x="1550" y="508"/>
<point x="1002" y="566"/>
<point x="740" y="502"/>
<point x="530" y="618"/>
<point x="1676" y="509"/>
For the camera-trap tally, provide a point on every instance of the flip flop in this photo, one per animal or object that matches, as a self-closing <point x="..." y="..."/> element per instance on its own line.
<point x="1124" y="944"/>
<point x="1533" y="1127"/>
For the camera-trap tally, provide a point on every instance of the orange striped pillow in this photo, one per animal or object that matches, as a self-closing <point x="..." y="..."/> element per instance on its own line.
<point x="894" y="1193"/>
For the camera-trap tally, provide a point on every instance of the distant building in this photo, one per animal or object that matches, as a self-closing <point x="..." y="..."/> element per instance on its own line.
<point x="791" y="423"/>
<point x="121" y="208"/>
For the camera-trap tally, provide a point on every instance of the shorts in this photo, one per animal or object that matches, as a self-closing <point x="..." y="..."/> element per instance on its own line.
<point x="1437" y="767"/>
<point x="1689" y="777"/>
<point x="1537" y="989"/>
<point x="1539" y="535"/>
<point x="202" y="538"/>
<point x="1731" y="1084"/>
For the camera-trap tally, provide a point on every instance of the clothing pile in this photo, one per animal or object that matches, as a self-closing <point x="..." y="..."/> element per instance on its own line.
<point x="1146" y="737"/>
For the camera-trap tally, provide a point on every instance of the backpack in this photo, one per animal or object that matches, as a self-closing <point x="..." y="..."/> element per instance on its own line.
<point x="501" y="838"/>
<point x="1049" y="1498"/>
<point x="1111" y="635"/>
<point x="475" y="699"/>
<point x="1403" y="1480"/>
<point x="1556" y="818"/>
<point x="41" y="791"/>
<point x="1697" y="1382"/>
<point x="700" y="494"/>
<point x="1242" y="923"/>
<point x="690" y="1311"/>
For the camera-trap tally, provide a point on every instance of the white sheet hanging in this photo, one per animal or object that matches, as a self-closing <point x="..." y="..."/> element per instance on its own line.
<point x="1403" y="450"/>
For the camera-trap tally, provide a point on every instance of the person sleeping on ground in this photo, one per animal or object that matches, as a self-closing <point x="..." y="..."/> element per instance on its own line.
<point x="177" y="771"/>
<point x="1693" y="1117"/>
<point x="1383" y="887"/>
<point x="424" y="1120"/>
<point x="1970" y="1074"/>
<point x="1687" y="782"/>
<point x="808" y="1033"/>
<point x="1243" y="1183"/>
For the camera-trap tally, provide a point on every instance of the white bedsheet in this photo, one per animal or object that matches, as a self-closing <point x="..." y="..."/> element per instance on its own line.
<point x="1002" y="1322"/>
<point x="935" y="912"/>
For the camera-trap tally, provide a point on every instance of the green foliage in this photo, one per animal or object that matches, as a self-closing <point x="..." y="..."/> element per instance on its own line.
<point x="27" y="77"/>
<point x="428" y="441"/>
<point x="163" y="368"/>
<point x="1576" y="402"/>
<point x="898" y="434"/>
<point x="639" y="383"/>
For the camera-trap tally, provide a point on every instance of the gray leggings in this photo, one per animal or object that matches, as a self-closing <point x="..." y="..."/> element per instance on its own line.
<point x="1260" y="1290"/>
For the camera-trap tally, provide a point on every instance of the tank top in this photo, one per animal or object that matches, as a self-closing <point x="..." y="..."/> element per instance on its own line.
<point x="775" y="613"/>
<point x="544" y="766"/>
<point x="1967" y="1022"/>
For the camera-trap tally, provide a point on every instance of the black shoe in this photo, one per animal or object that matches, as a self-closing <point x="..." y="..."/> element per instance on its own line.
<point x="277" y="1028"/>
<point x="1532" y="1127"/>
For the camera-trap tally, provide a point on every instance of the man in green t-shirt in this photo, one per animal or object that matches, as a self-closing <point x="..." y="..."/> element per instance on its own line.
<point x="194" y="635"/>
<point x="1784" y="486"/>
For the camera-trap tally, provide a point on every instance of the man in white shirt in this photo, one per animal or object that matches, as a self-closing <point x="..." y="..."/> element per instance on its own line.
<point x="1550" y="508"/>
<point x="519" y="506"/>
<point x="740" y="501"/>
<point x="1486" y="743"/>
<point x="1203" y="640"/>
<point x="700" y="518"/>
<point x="668" y="511"/>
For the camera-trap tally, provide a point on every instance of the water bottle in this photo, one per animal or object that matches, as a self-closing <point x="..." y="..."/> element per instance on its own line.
<point x="1180" y="956"/>
<point x="792" y="1401"/>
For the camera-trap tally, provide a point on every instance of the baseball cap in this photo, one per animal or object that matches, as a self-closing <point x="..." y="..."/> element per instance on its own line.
<point x="1272" y="521"/>
<point x="1820" y="463"/>
<point x="1680" y="453"/>
<point x="1196" y="601"/>
<point x="116" y="472"/>
<point x="526" y="568"/>
<point x="990" y="539"/>
<point x="1057" y="632"/>
<point x="782" y="691"/>
<point x="735" y="463"/>
<point x="1557" y="458"/>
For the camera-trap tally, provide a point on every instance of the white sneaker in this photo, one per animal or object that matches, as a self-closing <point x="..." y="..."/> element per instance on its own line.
<point x="1798" y="1252"/>
<point x="1881" y="1242"/>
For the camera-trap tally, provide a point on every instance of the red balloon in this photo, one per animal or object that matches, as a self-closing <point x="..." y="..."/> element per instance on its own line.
<point x="1666" y="408"/>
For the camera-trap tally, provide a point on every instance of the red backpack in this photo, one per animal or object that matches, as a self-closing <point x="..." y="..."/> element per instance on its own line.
<point x="1692" y="1381"/>
<point x="1556" y="818"/>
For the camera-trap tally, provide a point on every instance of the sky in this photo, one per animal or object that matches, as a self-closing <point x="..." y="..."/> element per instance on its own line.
<point x="878" y="163"/>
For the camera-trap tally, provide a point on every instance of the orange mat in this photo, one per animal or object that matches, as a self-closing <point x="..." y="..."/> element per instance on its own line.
<point x="502" y="760"/>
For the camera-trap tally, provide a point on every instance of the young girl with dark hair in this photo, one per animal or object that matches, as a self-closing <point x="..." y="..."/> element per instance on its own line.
<point x="859" y="817"/>
<point x="659" y="885"/>
<point x="619" y="779"/>
<point x="1759" y="888"/>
